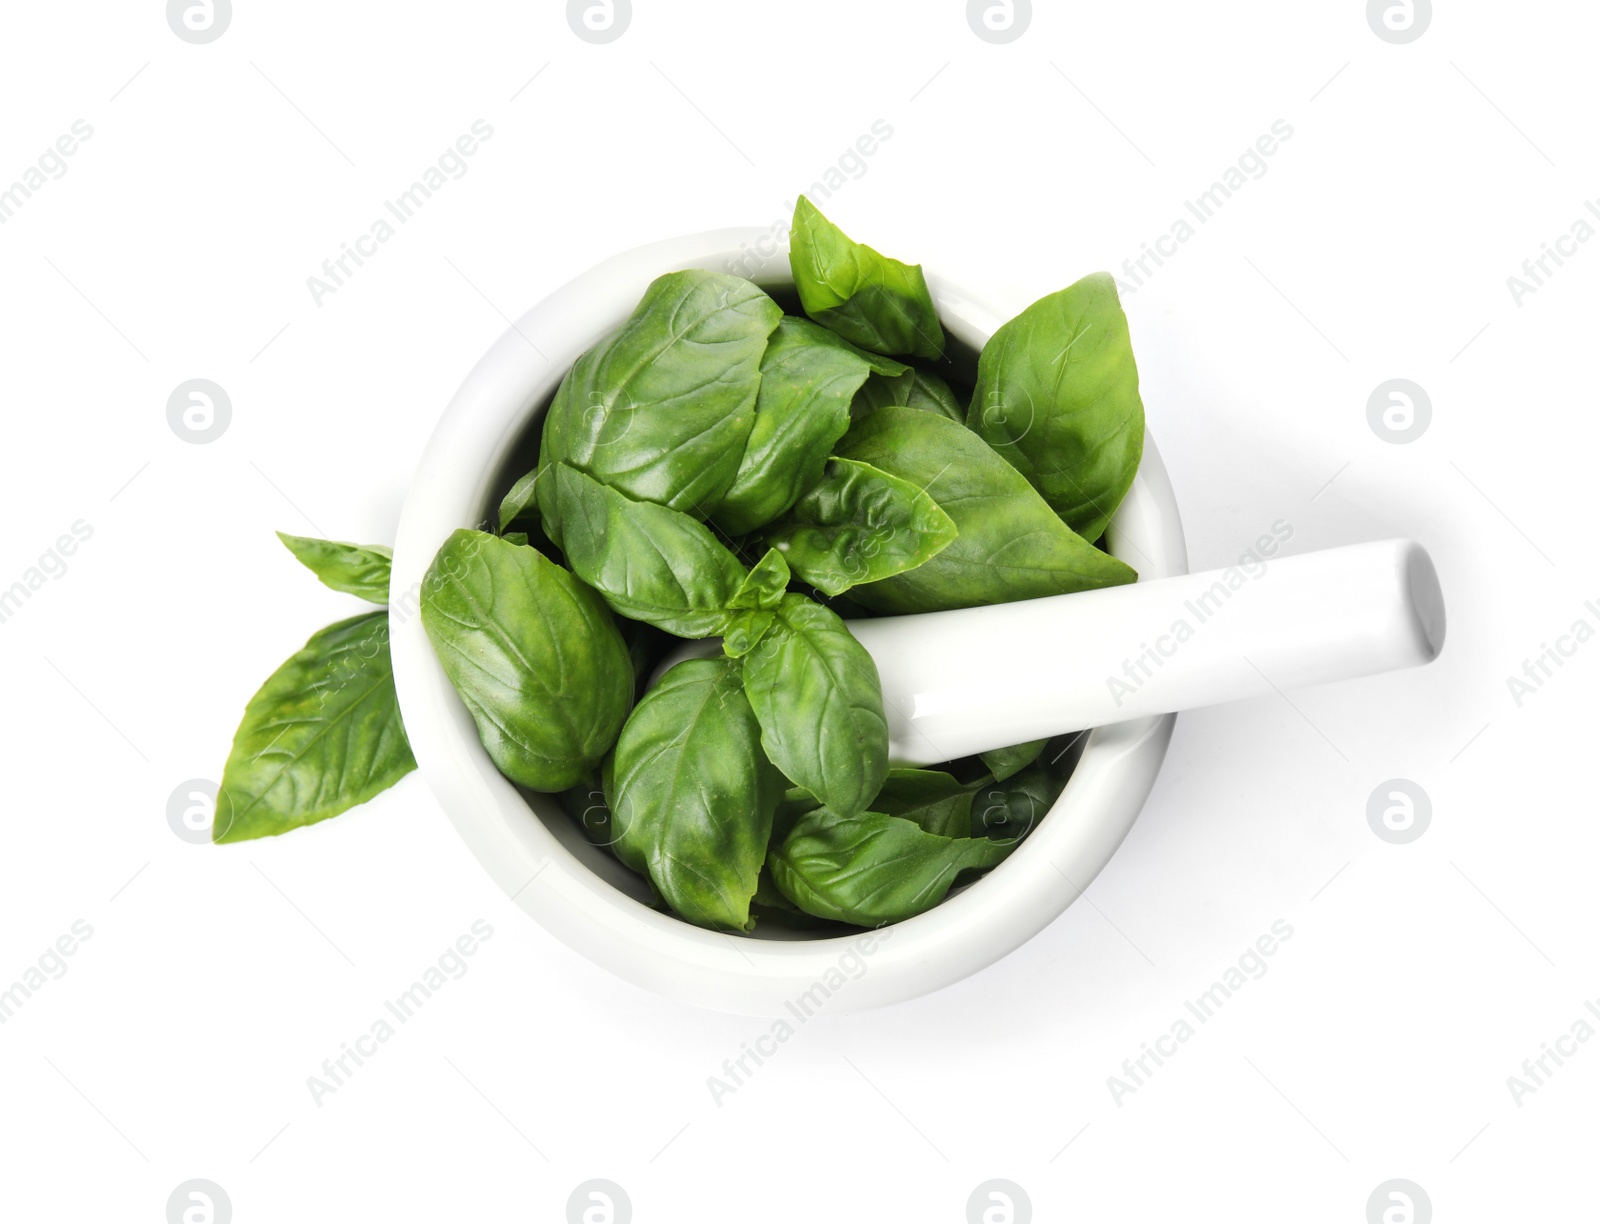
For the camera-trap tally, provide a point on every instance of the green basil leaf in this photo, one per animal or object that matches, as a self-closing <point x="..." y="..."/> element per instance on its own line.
<point x="1002" y="763"/>
<point x="803" y="408"/>
<point x="1009" y="544"/>
<point x="762" y="592"/>
<point x="815" y="690"/>
<point x="745" y="630"/>
<point x="663" y="409"/>
<point x="355" y="569"/>
<point x="765" y="585"/>
<point x="322" y="735"/>
<point x="815" y="333"/>
<point x="1058" y="398"/>
<point x="772" y="910"/>
<point x="883" y="391"/>
<point x="870" y="869"/>
<point x="859" y="524"/>
<point x="930" y="393"/>
<point x="692" y="795"/>
<point x="932" y="800"/>
<point x="519" y="538"/>
<point x="534" y="654"/>
<point x="650" y="563"/>
<point x="1007" y="812"/>
<point x="871" y="300"/>
<point x="522" y="501"/>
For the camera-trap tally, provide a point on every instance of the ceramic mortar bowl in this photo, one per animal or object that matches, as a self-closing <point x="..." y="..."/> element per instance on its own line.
<point x="579" y="892"/>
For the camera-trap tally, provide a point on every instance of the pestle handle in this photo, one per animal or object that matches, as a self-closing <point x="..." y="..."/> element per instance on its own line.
<point x="976" y="679"/>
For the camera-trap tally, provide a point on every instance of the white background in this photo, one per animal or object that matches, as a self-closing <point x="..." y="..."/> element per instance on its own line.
<point x="1377" y="246"/>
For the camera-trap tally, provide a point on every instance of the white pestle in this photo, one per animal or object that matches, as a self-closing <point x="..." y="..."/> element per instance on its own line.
<point x="971" y="680"/>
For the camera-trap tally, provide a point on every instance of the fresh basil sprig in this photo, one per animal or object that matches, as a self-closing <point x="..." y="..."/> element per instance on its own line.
<point x="323" y="734"/>
<point x="755" y="604"/>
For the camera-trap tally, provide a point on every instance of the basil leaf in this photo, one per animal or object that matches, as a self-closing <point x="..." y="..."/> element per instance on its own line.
<point x="932" y="800"/>
<point x="532" y="652"/>
<point x="930" y="393"/>
<point x="871" y="868"/>
<point x="355" y="569"/>
<point x="745" y="630"/>
<point x="1058" y="398"/>
<point x="761" y="593"/>
<point x="765" y="585"/>
<point x="519" y="538"/>
<point x="521" y="502"/>
<point x="858" y="524"/>
<point x="815" y="333"/>
<point x="871" y="300"/>
<point x="692" y="795"/>
<point x="1002" y="763"/>
<point x="1009" y="812"/>
<point x="803" y="408"/>
<point x="322" y="735"/>
<point x="649" y="562"/>
<point x="816" y="693"/>
<point x="882" y="391"/>
<point x="772" y="909"/>
<point x="1009" y="546"/>
<point x="663" y="409"/>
